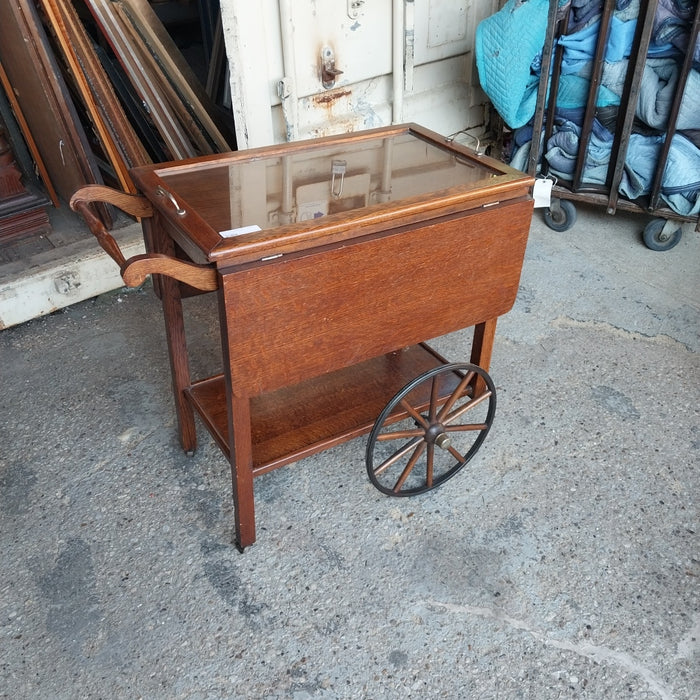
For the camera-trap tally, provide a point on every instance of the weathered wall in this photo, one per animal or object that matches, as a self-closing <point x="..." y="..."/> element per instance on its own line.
<point x="401" y="60"/>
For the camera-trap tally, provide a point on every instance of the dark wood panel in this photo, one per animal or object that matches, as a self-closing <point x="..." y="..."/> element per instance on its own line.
<point x="118" y="139"/>
<point x="41" y="92"/>
<point x="295" y="422"/>
<point x="307" y="315"/>
<point x="22" y="204"/>
<point x="147" y="85"/>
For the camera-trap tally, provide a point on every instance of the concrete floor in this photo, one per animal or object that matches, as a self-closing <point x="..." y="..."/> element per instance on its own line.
<point x="564" y="562"/>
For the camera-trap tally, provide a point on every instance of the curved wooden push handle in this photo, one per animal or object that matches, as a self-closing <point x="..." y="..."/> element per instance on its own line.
<point x="133" y="204"/>
<point x="130" y="203"/>
<point x="135" y="270"/>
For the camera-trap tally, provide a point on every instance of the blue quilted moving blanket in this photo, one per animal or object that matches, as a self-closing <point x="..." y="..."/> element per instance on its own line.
<point x="506" y="46"/>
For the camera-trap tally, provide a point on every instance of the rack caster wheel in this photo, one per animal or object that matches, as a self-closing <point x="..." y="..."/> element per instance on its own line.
<point x="430" y="429"/>
<point x="561" y="215"/>
<point x="660" y="234"/>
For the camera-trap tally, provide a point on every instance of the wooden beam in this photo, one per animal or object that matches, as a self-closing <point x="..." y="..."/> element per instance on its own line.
<point x="161" y="113"/>
<point x="36" y="83"/>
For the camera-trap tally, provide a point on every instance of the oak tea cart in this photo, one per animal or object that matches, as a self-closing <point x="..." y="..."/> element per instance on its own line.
<point x="333" y="260"/>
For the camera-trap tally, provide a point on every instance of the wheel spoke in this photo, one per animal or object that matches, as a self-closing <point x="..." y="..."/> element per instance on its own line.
<point x="409" y="467"/>
<point x="456" y="394"/>
<point x="432" y="411"/>
<point x="456" y="454"/>
<point x="400" y="434"/>
<point x="414" y="414"/>
<point x="430" y="465"/>
<point x="422" y="420"/>
<point x="465" y="427"/>
<point x="397" y="455"/>
<point x="467" y="407"/>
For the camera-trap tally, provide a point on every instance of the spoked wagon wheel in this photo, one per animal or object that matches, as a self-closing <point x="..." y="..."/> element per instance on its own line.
<point x="430" y="429"/>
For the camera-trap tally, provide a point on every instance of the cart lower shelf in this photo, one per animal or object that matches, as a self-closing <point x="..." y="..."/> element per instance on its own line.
<point x="295" y="422"/>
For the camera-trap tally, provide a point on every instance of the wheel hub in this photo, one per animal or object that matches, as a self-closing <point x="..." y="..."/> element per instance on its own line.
<point x="437" y="435"/>
<point x="443" y="441"/>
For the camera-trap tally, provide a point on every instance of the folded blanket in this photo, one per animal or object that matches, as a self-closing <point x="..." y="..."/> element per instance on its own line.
<point x="627" y="9"/>
<point x="680" y="186"/>
<point x="506" y="44"/>
<point x="671" y="29"/>
<point x="615" y="75"/>
<point x="583" y="11"/>
<point x="657" y="90"/>
<point x="693" y="135"/>
<point x="562" y="152"/>
<point x="573" y="93"/>
<point x="580" y="46"/>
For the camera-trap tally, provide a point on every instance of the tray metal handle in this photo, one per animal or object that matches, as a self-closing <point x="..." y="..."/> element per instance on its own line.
<point x="162" y="192"/>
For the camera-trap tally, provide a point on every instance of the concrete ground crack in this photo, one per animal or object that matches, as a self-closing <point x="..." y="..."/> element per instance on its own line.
<point x="599" y="654"/>
<point x="662" y="338"/>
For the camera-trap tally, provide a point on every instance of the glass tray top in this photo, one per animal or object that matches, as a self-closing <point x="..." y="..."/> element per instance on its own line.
<point x="240" y="194"/>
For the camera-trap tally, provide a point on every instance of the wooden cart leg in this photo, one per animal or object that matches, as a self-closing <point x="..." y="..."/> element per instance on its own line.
<point x="169" y="290"/>
<point x="242" y="471"/>
<point x="179" y="366"/>
<point x="482" y="347"/>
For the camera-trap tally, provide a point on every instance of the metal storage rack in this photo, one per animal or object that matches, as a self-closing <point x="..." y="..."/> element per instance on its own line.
<point x="664" y="230"/>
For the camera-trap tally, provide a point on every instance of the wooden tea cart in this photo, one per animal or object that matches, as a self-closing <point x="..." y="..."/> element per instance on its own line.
<point x="333" y="260"/>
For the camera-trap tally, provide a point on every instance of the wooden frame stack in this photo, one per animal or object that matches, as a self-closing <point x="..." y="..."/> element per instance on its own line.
<point x="99" y="87"/>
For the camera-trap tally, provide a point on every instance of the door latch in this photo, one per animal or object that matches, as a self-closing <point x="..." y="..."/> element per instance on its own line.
<point x="354" y="7"/>
<point x="328" y="70"/>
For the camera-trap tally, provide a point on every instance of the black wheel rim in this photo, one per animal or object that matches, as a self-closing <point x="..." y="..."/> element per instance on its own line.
<point x="430" y="429"/>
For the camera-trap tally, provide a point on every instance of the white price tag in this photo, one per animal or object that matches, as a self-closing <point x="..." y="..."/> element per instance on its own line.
<point x="239" y="231"/>
<point x="542" y="192"/>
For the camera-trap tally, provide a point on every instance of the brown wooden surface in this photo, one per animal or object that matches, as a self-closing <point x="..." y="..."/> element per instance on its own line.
<point x="171" y="299"/>
<point x="116" y="134"/>
<point x="482" y="348"/>
<point x="32" y="146"/>
<point x="11" y="185"/>
<point x="324" y="411"/>
<point x="131" y="60"/>
<point x="138" y="267"/>
<point x="242" y="471"/>
<point x="207" y="192"/>
<point x="21" y="225"/>
<point x="309" y="337"/>
<point x="339" y="228"/>
<point x="22" y="207"/>
<point x="91" y="195"/>
<point x="152" y="67"/>
<point x="198" y="233"/>
<point x="105" y="239"/>
<point x="186" y="85"/>
<point x="295" y="318"/>
<point x="39" y="88"/>
<point x="135" y="205"/>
